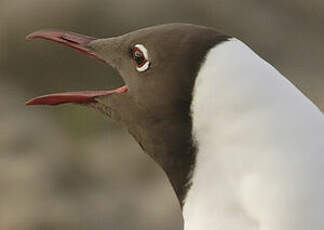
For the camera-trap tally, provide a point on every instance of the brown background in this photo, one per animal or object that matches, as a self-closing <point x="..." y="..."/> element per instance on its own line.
<point x="68" y="167"/>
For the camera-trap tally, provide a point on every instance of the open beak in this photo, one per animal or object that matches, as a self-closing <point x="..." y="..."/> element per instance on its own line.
<point x="80" y="43"/>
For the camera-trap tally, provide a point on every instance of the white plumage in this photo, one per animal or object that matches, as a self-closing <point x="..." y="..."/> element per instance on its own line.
<point x="260" y="160"/>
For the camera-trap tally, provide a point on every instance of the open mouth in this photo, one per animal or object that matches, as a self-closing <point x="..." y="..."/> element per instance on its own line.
<point x="80" y="43"/>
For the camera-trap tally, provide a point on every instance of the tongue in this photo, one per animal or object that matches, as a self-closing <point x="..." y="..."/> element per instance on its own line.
<point x="82" y="97"/>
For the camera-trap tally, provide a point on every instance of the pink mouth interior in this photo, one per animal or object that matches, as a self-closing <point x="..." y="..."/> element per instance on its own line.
<point x="78" y="42"/>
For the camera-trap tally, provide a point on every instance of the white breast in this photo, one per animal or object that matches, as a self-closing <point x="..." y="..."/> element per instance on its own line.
<point x="260" y="160"/>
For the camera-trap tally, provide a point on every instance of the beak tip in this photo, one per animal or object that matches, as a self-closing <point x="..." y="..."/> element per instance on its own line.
<point x="35" y="101"/>
<point x="29" y="102"/>
<point x="45" y="34"/>
<point x="28" y="37"/>
<point x="31" y="36"/>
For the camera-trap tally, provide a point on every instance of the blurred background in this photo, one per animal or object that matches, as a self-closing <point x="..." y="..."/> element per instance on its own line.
<point x="68" y="167"/>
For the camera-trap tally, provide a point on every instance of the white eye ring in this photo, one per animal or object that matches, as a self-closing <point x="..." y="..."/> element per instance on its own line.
<point x="145" y="53"/>
<point x="143" y="67"/>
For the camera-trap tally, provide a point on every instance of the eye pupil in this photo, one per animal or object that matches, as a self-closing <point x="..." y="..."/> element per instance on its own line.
<point x="139" y="57"/>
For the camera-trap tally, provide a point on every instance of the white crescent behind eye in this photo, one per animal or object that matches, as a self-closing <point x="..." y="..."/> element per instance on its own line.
<point x="143" y="67"/>
<point x="147" y="63"/>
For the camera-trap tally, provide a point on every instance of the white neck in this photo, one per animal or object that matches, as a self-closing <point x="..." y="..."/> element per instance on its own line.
<point x="256" y="136"/>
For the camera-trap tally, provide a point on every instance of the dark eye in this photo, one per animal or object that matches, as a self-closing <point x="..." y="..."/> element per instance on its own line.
<point x="139" y="57"/>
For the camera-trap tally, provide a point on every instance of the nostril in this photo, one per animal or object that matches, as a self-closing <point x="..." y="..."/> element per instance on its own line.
<point x="69" y="40"/>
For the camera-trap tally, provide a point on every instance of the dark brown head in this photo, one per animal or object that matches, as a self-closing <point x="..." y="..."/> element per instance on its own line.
<point x="159" y="66"/>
